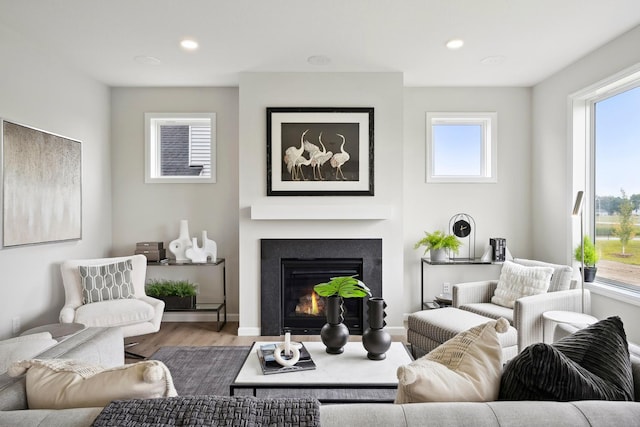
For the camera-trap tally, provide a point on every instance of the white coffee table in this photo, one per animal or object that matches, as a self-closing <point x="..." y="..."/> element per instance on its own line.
<point x="351" y="370"/>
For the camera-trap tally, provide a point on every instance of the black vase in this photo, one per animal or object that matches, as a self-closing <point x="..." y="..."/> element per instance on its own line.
<point x="375" y="339"/>
<point x="334" y="333"/>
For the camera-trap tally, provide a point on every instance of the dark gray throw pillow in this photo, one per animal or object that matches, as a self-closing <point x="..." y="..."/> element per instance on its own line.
<point x="591" y="364"/>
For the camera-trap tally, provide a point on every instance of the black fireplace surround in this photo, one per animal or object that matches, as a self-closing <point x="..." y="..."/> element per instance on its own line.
<point x="275" y="253"/>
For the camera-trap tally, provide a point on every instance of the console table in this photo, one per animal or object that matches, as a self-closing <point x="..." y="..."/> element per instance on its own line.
<point x="450" y="262"/>
<point x="207" y="304"/>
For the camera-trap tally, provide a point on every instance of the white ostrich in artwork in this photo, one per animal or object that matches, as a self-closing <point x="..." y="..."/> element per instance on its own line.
<point x="292" y="154"/>
<point x="318" y="157"/>
<point x="340" y="159"/>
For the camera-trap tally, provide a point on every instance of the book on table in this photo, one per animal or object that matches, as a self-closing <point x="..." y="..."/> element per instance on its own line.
<point x="270" y="366"/>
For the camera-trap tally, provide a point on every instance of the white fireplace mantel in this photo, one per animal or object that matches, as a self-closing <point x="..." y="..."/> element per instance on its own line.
<point x="344" y="211"/>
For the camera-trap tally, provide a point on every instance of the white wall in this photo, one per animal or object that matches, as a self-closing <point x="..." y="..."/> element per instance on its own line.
<point x="44" y="92"/>
<point x="552" y="189"/>
<point x="502" y="209"/>
<point x="383" y="92"/>
<point x="152" y="212"/>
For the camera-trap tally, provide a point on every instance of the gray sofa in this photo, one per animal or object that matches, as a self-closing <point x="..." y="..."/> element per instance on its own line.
<point x="105" y="346"/>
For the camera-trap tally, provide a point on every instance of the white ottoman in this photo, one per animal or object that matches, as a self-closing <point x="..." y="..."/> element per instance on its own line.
<point x="430" y="328"/>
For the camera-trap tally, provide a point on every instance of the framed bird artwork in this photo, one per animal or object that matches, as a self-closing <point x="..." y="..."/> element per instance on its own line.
<point x="320" y="151"/>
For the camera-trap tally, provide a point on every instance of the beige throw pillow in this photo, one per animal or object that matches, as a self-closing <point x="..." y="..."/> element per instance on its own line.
<point x="518" y="281"/>
<point x="64" y="383"/>
<point x="467" y="368"/>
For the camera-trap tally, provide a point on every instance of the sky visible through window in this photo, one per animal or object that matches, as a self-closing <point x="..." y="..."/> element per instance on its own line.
<point x="457" y="149"/>
<point x="617" y="133"/>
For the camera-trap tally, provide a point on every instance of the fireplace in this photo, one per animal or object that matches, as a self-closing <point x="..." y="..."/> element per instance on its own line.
<point x="303" y="309"/>
<point x="291" y="267"/>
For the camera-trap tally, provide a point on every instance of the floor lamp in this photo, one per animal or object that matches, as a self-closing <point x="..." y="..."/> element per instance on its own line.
<point x="577" y="210"/>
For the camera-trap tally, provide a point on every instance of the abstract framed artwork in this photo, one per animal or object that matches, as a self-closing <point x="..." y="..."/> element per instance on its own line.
<point x="320" y="151"/>
<point x="42" y="186"/>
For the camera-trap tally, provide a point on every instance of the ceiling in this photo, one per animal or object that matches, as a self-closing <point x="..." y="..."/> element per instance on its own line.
<point x="525" y="41"/>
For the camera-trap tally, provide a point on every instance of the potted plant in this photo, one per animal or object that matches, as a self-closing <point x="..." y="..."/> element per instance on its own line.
<point x="590" y="258"/>
<point x="176" y="294"/>
<point x="334" y="333"/>
<point x="438" y="243"/>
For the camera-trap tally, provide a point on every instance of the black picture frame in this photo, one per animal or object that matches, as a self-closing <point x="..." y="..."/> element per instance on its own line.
<point x="320" y="151"/>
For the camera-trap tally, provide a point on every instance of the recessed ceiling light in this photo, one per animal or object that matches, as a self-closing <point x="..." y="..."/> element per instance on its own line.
<point x="189" y="44"/>
<point x="147" y="60"/>
<point x="492" y="60"/>
<point x="454" y="44"/>
<point x="318" y="60"/>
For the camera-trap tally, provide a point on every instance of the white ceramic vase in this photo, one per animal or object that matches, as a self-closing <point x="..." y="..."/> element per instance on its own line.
<point x="195" y="253"/>
<point x="438" y="255"/>
<point x="179" y="246"/>
<point x="210" y="247"/>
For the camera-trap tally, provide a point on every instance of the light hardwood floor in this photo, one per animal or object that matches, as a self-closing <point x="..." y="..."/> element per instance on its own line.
<point x="201" y="334"/>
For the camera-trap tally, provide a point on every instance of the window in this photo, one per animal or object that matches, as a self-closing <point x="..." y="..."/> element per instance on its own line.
<point x="606" y="135"/>
<point x="461" y="147"/>
<point x="616" y="147"/>
<point x="180" y="147"/>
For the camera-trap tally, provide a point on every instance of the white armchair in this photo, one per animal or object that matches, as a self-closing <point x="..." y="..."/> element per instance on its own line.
<point x="526" y="316"/>
<point x="135" y="316"/>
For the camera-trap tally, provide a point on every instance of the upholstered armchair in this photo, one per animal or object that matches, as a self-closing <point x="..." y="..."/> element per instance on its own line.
<point x="526" y="316"/>
<point x="137" y="314"/>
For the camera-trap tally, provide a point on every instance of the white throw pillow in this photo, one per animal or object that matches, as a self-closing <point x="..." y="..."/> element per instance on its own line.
<point x="23" y="347"/>
<point x="467" y="368"/>
<point x="64" y="383"/>
<point x="518" y="281"/>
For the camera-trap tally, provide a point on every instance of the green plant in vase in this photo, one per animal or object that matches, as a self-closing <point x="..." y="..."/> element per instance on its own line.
<point x="334" y="333"/>
<point x="438" y="243"/>
<point x="590" y="258"/>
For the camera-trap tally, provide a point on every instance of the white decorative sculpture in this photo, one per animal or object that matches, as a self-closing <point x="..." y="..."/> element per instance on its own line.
<point x="290" y="351"/>
<point x="195" y="253"/>
<point x="210" y="247"/>
<point x="182" y="243"/>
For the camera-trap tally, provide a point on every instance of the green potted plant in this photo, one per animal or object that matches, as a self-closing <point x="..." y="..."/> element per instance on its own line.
<point x="334" y="333"/>
<point x="176" y="294"/>
<point x="438" y="243"/>
<point x="590" y="258"/>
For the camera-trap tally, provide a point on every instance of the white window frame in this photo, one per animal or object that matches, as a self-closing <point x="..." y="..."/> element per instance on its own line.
<point x="581" y="118"/>
<point x="152" y="122"/>
<point x="488" y="152"/>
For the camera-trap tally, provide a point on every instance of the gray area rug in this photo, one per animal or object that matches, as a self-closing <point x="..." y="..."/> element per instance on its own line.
<point x="210" y="371"/>
<point x="202" y="370"/>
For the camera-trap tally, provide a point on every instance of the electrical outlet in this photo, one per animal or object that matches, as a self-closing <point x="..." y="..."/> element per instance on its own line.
<point x="446" y="288"/>
<point x="16" y="325"/>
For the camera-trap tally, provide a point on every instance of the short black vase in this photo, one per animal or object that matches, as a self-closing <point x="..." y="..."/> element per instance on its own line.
<point x="334" y="333"/>
<point x="375" y="339"/>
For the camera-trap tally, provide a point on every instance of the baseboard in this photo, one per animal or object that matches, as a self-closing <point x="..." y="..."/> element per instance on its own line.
<point x="249" y="332"/>
<point x="396" y="330"/>
<point x="255" y="332"/>
<point x="192" y="316"/>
